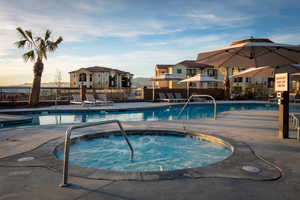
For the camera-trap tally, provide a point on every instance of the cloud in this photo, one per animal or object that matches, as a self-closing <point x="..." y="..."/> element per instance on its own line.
<point x="140" y="63"/>
<point x="289" y="38"/>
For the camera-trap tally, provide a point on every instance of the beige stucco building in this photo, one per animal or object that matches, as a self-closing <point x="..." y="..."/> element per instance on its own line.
<point x="189" y="68"/>
<point x="186" y="69"/>
<point x="100" y="77"/>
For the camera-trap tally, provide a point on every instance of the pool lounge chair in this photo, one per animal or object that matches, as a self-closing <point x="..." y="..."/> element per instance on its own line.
<point x="90" y="99"/>
<point x="76" y="99"/>
<point x="103" y="99"/>
<point x="178" y="97"/>
<point x="162" y="97"/>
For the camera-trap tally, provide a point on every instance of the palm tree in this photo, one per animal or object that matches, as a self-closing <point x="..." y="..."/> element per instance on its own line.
<point x="38" y="49"/>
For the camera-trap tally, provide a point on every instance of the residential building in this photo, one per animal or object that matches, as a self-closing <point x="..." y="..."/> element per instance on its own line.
<point x="186" y="69"/>
<point x="189" y="68"/>
<point x="100" y="77"/>
<point x="259" y="87"/>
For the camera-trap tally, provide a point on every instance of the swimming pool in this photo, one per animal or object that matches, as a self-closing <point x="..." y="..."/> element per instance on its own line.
<point x="148" y="114"/>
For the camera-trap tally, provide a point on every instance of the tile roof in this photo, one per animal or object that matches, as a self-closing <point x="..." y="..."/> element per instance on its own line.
<point x="102" y="69"/>
<point x="194" y="64"/>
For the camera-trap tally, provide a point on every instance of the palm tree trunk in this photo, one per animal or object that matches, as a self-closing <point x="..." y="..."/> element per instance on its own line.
<point x="36" y="85"/>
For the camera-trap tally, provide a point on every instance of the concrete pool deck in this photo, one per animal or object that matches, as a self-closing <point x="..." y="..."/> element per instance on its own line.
<point x="33" y="179"/>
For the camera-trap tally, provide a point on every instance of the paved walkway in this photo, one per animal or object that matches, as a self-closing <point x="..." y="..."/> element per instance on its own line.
<point x="256" y="128"/>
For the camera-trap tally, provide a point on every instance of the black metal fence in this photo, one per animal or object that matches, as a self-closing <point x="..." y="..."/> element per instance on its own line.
<point x="17" y="94"/>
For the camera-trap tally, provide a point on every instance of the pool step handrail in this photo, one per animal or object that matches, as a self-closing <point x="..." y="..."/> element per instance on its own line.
<point x="200" y="95"/>
<point x="67" y="145"/>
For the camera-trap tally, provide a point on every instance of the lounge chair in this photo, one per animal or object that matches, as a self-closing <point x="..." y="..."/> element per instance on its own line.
<point x="178" y="97"/>
<point x="103" y="99"/>
<point x="90" y="99"/>
<point x="163" y="97"/>
<point x="76" y="99"/>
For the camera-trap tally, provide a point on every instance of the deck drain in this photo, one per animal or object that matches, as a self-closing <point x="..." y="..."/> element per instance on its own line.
<point x="25" y="159"/>
<point x="251" y="169"/>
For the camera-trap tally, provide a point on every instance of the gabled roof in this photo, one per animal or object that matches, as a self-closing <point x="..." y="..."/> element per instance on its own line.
<point x="194" y="64"/>
<point x="159" y="66"/>
<point x="102" y="69"/>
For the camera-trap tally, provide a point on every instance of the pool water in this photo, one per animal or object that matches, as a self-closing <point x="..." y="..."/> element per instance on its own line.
<point x="152" y="153"/>
<point x="153" y="114"/>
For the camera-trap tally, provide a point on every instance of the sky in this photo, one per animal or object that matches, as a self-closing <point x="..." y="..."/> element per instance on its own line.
<point x="135" y="35"/>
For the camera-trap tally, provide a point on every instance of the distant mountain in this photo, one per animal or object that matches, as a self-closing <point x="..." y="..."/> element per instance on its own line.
<point x="140" y="82"/>
<point x="49" y="84"/>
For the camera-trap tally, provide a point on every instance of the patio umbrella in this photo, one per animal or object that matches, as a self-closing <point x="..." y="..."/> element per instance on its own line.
<point x="255" y="53"/>
<point x="267" y="71"/>
<point x="197" y="78"/>
<point x="252" y="53"/>
<point x="164" y="77"/>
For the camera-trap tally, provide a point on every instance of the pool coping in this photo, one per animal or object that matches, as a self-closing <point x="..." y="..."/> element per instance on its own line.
<point x="114" y="108"/>
<point x="231" y="167"/>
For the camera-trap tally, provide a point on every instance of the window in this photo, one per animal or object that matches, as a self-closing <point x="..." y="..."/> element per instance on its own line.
<point x="247" y="80"/>
<point x="191" y="84"/>
<point x="212" y="72"/>
<point x="212" y="85"/>
<point x="191" y="72"/>
<point x="91" y="77"/>
<point x="238" y="80"/>
<point x="82" y="77"/>
<point x="179" y="71"/>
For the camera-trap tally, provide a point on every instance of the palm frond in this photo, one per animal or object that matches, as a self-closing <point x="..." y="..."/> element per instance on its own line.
<point x="51" y="46"/>
<point x="29" y="34"/>
<point x="59" y="40"/>
<point x="42" y="49"/>
<point x="47" y="35"/>
<point x="30" y="55"/>
<point x="21" y="43"/>
<point x="22" y="33"/>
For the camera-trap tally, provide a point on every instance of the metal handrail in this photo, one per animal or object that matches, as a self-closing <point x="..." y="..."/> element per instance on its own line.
<point x="200" y="95"/>
<point x="67" y="145"/>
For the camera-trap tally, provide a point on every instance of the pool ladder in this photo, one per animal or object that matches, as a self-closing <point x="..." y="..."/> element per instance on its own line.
<point x="68" y="141"/>
<point x="200" y="95"/>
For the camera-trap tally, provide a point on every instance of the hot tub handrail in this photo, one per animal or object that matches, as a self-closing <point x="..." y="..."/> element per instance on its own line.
<point x="67" y="145"/>
<point x="200" y="95"/>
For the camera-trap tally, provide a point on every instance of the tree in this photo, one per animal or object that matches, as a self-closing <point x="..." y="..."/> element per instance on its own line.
<point x="38" y="48"/>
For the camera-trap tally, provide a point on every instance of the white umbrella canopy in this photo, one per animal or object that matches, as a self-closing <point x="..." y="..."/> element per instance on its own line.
<point x="197" y="78"/>
<point x="200" y="78"/>
<point x="267" y="71"/>
<point x="252" y="53"/>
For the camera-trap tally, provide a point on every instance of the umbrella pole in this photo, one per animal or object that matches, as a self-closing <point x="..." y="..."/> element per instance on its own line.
<point x="153" y="90"/>
<point x="187" y="90"/>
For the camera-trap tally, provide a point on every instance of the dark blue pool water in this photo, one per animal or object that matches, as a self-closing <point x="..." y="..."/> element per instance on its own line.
<point x="153" y="114"/>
